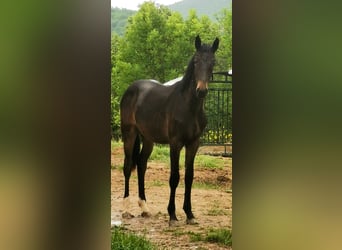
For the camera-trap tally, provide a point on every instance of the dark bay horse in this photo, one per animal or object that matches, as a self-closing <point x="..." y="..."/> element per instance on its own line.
<point x="174" y="115"/>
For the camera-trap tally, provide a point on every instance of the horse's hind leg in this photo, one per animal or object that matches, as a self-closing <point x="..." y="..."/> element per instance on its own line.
<point x="142" y="165"/>
<point x="130" y="138"/>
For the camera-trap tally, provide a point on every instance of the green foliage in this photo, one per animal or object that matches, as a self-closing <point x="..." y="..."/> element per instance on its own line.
<point x="158" y="44"/>
<point x="115" y="89"/>
<point x="126" y="241"/>
<point x="224" y="54"/>
<point x="155" y="43"/>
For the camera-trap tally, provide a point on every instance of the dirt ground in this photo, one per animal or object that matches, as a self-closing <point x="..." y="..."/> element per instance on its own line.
<point x="211" y="203"/>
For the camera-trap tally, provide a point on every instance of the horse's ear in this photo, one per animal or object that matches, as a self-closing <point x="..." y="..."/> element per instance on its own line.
<point x="198" y="42"/>
<point x="215" y="45"/>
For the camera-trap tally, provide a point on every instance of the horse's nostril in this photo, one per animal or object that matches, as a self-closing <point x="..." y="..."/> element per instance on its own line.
<point x="201" y="92"/>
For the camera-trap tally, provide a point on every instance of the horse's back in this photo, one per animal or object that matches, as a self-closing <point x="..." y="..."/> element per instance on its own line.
<point x="135" y="89"/>
<point x="133" y="97"/>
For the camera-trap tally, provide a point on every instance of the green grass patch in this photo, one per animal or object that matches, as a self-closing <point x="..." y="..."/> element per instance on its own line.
<point x="204" y="185"/>
<point x="116" y="144"/>
<point x="192" y="235"/>
<point x="195" y="236"/>
<point x="221" y="236"/>
<point x="122" y="240"/>
<point x="207" y="161"/>
<point x="158" y="183"/>
<point x="119" y="167"/>
<point x="161" y="154"/>
<point x="178" y="232"/>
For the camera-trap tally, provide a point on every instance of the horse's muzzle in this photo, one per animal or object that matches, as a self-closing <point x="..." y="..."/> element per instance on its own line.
<point x="202" y="89"/>
<point x="201" y="93"/>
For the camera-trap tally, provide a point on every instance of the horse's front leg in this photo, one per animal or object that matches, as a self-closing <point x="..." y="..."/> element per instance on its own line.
<point x="173" y="181"/>
<point x="190" y="154"/>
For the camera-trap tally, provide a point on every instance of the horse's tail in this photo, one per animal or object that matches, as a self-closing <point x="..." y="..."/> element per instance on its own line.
<point x="136" y="153"/>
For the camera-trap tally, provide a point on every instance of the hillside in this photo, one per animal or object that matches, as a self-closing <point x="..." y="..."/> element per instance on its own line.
<point x="119" y="16"/>
<point x="119" y="19"/>
<point x="209" y="8"/>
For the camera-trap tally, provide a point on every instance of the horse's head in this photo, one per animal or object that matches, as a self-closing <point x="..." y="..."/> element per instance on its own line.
<point x="204" y="60"/>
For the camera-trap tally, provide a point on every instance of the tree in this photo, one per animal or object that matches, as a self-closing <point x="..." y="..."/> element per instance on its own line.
<point x="115" y="95"/>
<point x="224" y="54"/>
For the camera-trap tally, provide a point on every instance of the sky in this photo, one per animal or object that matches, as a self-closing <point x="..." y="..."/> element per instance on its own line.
<point x="133" y="4"/>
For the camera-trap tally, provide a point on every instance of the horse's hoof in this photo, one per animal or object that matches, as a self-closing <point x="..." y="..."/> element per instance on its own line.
<point x="174" y="223"/>
<point x="146" y="214"/>
<point x="191" y="221"/>
<point x="127" y="215"/>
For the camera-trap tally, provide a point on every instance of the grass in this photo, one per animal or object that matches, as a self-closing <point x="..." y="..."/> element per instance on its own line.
<point x="158" y="183"/>
<point x="115" y="144"/>
<point x="208" y="162"/>
<point x="161" y="153"/>
<point x="126" y="241"/>
<point x="204" y="185"/>
<point x="216" y="210"/>
<point x="195" y="236"/>
<point x="119" y="167"/>
<point x="221" y="236"/>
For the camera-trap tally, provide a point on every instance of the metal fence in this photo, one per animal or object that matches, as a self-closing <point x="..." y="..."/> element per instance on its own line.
<point x="218" y="108"/>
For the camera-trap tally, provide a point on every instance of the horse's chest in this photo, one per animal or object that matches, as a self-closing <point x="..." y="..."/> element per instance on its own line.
<point x="198" y="127"/>
<point x="192" y="127"/>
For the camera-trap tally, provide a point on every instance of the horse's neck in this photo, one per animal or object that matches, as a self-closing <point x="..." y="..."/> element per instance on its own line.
<point x="195" y="104"/>
<point x="188" y="81"/>
<point x="189" y="76"/>
<point x="188" y="90"/>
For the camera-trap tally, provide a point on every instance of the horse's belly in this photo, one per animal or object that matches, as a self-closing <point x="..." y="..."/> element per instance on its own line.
<point x="154" y="131"/>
